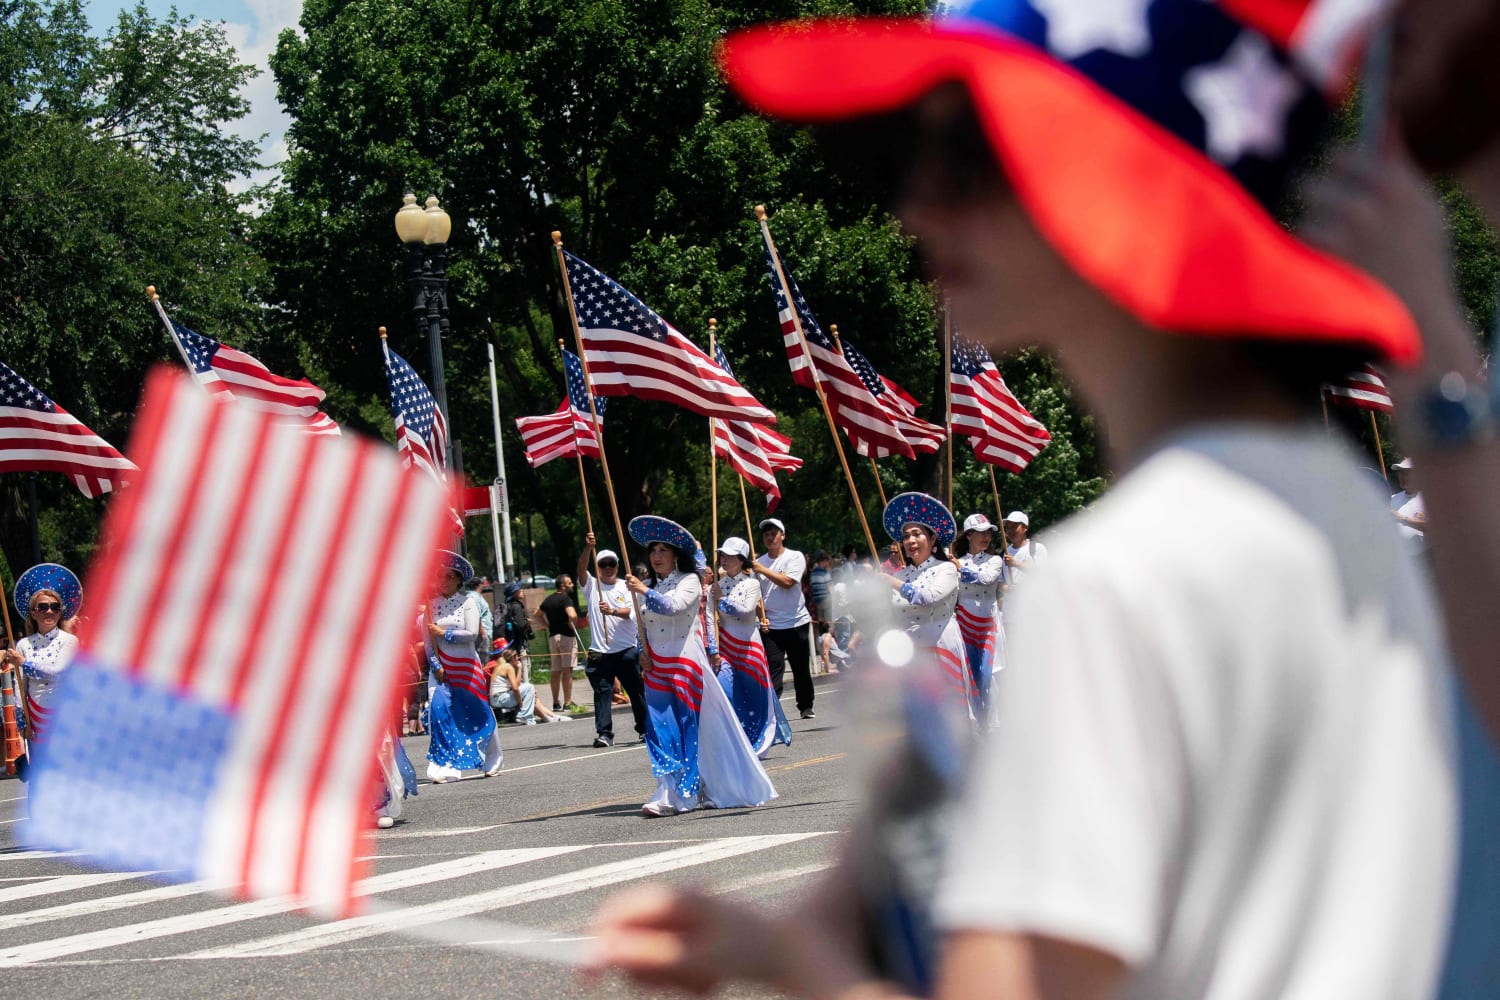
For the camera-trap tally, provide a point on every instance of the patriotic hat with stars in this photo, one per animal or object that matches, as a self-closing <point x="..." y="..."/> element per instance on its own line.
<point x="919" y="508"/>
<point x="49" y="576"/>
<point x="649" y="528"/>
<point x="449" y="559"/>
<point x="1148" y="140"/>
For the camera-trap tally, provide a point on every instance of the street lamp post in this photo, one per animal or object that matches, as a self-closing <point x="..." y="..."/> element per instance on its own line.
<point x="425" y="234"/>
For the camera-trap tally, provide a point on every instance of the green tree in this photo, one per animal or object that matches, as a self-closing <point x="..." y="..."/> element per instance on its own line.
<point x="606" y="120"/>
<point x="114" y="161"/>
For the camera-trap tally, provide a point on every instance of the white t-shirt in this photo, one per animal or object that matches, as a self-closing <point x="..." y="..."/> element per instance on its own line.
<point x="785" y="606"/>
<point x="1241" y="783"/>
<point x="621" y="631"/>
<point x="1027" y="556"/>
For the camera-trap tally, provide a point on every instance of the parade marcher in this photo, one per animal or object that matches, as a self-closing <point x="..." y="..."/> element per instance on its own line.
<point x="699" y="753"/>
<point x="50" y="595"/>
<point x="1021" y="553"/>
<point x="1193" y="777"/>
<point x="396" y="780"/>
<point x="462" y="724"/>
<point x="613" y="658"/>
<point x="781" y="570"/>
<point x="980" y="574"/>
<point x="558" y="614"/>
<point x="744" y="675"/>
<point x="927" y="586"/>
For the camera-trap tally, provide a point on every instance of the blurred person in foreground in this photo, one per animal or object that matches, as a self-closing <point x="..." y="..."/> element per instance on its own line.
<point x="1197" y="786"/>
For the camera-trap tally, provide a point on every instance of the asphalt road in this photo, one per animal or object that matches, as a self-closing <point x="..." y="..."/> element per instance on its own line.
<point x="540" y="845"/>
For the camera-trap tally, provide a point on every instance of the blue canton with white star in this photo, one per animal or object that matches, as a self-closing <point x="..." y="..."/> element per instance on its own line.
<point x="863" y="369"/>
<point x="16" y="391"/>
<point x="128" y="771"/>
<point x="1188" y="65"/>
<point x="810" y="328"/>
<point x="604" y="305"/>
<point x="578" y="393"/>
<point x="409" y="396"/>
<point x="200" y="350"/>
<point x="969" y="358"/>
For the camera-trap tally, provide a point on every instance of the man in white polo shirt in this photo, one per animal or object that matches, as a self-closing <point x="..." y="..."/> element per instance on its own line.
<point x="781" y="571"/>
<point x="612" y="651"/>
<point x="1021" y="553"/>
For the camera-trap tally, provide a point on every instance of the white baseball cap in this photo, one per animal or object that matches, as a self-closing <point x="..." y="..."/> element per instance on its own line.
<point x="1018" y="517"/>
<point x="605" y="555"/>
<point x="773" y="522"/>
<point x="977" y="522"/>
<point x="1405" y="463"/>
<point x="735" y="546"/>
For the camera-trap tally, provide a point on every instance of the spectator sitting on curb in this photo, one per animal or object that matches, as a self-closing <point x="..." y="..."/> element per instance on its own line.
<point x="512" y="695"/>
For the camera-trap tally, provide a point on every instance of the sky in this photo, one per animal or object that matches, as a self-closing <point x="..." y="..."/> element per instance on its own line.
<point x="252" y="27"/>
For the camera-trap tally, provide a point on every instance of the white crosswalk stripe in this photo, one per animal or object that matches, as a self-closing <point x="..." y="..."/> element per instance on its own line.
<point x="659" y="857"/>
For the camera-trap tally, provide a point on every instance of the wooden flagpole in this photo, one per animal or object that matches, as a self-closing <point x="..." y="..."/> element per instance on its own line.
<point x="588" y="385"/>
<point x="999" y="511"/>
<point x="760" y="605"/>
<point x="583" y="488"/>
<point x="9" y="693"/>
<point x="1379" y="448"/>
<point x="838" y="445"/>
<point x="948" y="395"/>
<point x="713" y="491"/>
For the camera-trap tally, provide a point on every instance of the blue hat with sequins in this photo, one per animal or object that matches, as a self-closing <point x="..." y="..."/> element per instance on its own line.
<point x="1151" y="142"/>
<point x="649" y="528"/>
<point x="449" y="559"/>
<point x="49" y="576"/>
<point x="919" y="508"/>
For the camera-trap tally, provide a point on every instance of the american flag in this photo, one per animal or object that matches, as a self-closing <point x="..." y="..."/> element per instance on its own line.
<point x="753" y="450"/>
<point x="998" y="427"/>
<point x="634" y="352"/>
<point x="224" y="371"/>
<point x="1363" y="390"/>
<point x="421" y="431"/>
<point x="875" y="418"/>
<point x="37" y="435"/>
<point x="570" y="429"/>
<point x="221" y="749"/>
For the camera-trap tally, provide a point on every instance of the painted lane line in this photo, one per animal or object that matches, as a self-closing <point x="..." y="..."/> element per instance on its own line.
<point x="106" y="904"/>
<point x="569" y="760"/>
<point x="17" y="819"/>
<point x="407" y="917"/>
<point x="768" y="878"/>
<point x="42" y="951"/>
<point x="67" y="883"/>
<point x="35" y="855"/>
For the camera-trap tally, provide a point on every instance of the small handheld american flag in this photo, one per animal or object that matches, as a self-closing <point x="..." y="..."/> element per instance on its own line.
<point x="222" y="719"/>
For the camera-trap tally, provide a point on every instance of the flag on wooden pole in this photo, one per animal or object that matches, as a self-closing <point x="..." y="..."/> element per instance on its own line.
<point x="1001" y="431"/>
<point x="1362" y="390"/>
<point x="226" y="750"/>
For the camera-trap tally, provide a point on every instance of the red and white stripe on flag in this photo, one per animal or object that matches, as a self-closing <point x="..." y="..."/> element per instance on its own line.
<point x="755" y="452"/>
<point x="1362" y="390"/>
<point x="235" y="525"/>
<point x="1001" y="431"/>
<point x="37" y="435"/>
<point x="560" y="434"/>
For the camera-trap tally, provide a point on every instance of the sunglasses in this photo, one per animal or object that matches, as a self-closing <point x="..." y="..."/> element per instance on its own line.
<point x="41" y="607"/>
<point x="607" y="564"/>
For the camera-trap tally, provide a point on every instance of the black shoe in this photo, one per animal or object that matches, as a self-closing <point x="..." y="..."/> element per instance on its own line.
<point x="604" y="741"/>
<point x="808" y="713"/>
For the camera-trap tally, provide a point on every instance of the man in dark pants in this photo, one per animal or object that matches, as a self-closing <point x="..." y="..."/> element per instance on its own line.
<point x="612" y="635"/>
<point x="781" y="571"/>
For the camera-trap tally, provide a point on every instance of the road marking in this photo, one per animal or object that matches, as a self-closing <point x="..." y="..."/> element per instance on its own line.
<point x="4" y="822"/>
<point x="34" y="855"/>
<point x="769" y="878"/>
<point x="67" y="883"/>
<point x="106" y="904"/>
<point x="407" y="917"/>
<point x="456" y="831"/>
<point x="569" y="760"/>
<point x="804" y="763"/>
<point x="16" y="798"/>
<point x="41" y="951"/>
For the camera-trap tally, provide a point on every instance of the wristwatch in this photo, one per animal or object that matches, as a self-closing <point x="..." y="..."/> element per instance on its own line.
<point x="1451" y="413"/>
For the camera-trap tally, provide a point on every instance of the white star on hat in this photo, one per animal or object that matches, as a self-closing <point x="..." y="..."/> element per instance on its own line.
<point x="1244" y="99"/>
<point x="1076" y="27"/>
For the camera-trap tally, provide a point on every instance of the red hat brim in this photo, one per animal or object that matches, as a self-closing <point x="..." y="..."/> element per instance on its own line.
<point x="1140" y="214"/>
